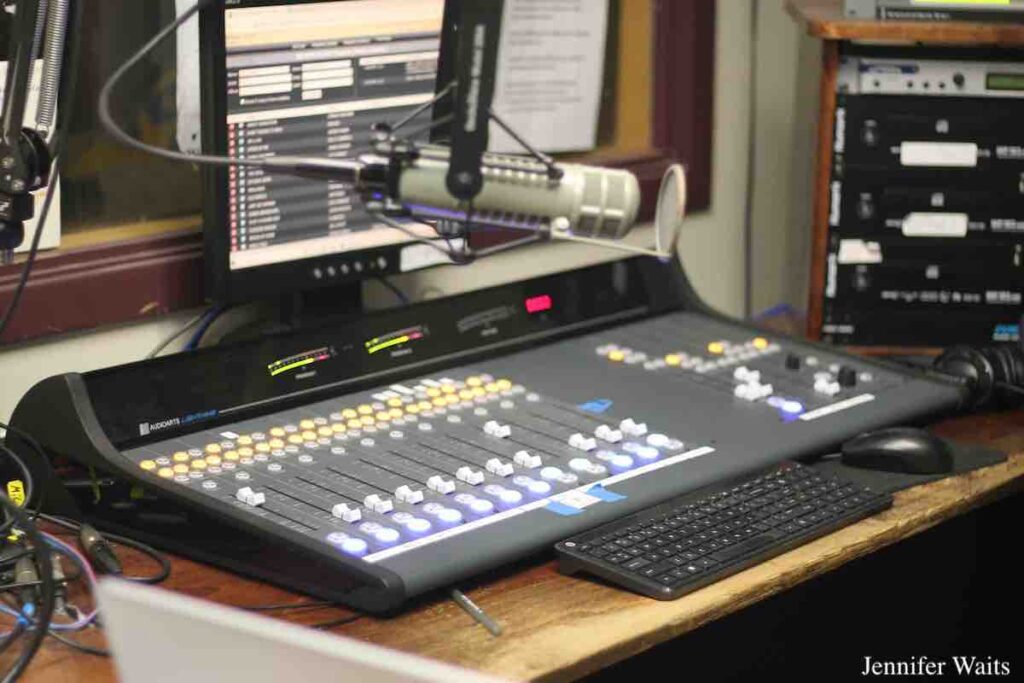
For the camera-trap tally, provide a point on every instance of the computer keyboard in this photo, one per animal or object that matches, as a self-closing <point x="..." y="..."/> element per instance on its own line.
<point x="674" y="548"/>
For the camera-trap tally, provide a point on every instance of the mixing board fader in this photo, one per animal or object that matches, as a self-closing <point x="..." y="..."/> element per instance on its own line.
<point x="397" y="454"/>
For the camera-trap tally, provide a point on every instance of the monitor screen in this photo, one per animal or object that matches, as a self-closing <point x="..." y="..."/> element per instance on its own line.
<point x="311" y="79"/>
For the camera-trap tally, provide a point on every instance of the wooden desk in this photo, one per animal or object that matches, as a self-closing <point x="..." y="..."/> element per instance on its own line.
<point x="560" y="628"/>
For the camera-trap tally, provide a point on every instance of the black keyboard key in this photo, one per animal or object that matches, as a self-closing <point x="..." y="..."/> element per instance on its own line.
<point x="636" y="564"/>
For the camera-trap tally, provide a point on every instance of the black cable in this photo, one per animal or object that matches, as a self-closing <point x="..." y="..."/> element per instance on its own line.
<point x="153" y="554"/>
<point x="285" y="606"/>
<point x="81" y="647"/>
<point x="1013" y="389"/>
<point x="402" y="297"/>
<point x="43" y="615"/>
<point x="60" y="140"/>
<point x="337" y="622"/>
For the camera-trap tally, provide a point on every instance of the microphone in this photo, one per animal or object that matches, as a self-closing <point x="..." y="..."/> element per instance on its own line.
<point x="583" y="204"/>
<point x="518" y="193"/>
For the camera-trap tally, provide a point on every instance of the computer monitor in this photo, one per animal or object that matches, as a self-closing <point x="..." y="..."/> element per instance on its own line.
<point x="306" y="78"/>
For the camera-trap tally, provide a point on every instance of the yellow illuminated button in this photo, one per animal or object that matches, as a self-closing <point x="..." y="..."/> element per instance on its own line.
<point x="413" y="409"/>
<point x="213" y="448"/>
<point x="166" y="472"/>
<point x="395" y="402"/>
<point x="213" y="460"/>
<point x="181" y="456"/>
<point x="448" y="389"/>
<point x="466" y="394"/>
<point x="425" y="405"/>
<point x="474" y="382"/>
<point x="717" y="348"/>
<point x="433" y="392"/>
<point x="440" y="402"/>
<point x="181" y="468"/>
<point x="199" y="464"/>
<point x="504" y="384"/>
<point x="354" y="424"/>
<point x="383" y="416"/>
<point x="276" y="444"/>
<point x="245" y="452"/>
<point x="148" y="465"/>
<point x="307" y="424"/>
<point x="479" y="391"/>
<point x="349" y="414"/>
<point x="295" y="439"/>
<point x="338" y="428"/>
<point x="247" y="440"/>
<point x="451" y="399"/>
<point x="616" y="356"/>
<point x="395" y="413"/>
<point x="365" y="409"/>
<point x="760" y="343"/>
<point x="309" y="435"/>
<point x="231" y="456"/>
<point x="276" y="431"/>
<point x="673" y="359"/>
<point x="367" y="420"/>
<point x="492" y="387"/>
<point x="325" y="431"/>
<point x="263" y="447"/>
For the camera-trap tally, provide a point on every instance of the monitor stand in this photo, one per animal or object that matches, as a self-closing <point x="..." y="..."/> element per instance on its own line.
<point x="297" y="311"/>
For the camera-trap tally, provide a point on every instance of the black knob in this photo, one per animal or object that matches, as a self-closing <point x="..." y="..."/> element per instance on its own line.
<point x="847" y="376"/>
<point x="959" y="80"/>
<point x="866" y="207"/>
<point x="869" y="133"/>
<point x="792" y="362"/>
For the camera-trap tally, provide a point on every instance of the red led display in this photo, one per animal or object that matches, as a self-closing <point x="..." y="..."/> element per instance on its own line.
<point x="538" y="304"/>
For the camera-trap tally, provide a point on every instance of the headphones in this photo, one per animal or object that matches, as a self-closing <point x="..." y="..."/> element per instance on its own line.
<point x="994" y="375"/>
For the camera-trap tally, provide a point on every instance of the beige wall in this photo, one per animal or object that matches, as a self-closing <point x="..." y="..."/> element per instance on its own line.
<point x="712" y="245"/>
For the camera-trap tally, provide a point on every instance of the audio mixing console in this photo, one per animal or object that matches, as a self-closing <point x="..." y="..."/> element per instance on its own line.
<point x="402" y="452"/>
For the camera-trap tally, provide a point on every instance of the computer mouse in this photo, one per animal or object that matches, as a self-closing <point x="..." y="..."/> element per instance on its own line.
<point x="902" y="449"/>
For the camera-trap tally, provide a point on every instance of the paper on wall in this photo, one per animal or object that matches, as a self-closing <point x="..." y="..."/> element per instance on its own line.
<point x="51" y="231"/>
<point x="550" y="74"/>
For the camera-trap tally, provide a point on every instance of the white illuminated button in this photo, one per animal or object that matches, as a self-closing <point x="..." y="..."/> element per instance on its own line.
<point x="497" y="430"/>
<point x="658" y="440"/>
<point x="449" y="516"/>
<point x="502" y="469"/>
<point x="587" y="466"/>
<point x="745" y="392"/>
<point x="440" y="485"/>
<point x="606" y="433"/>
<point x="582" y="443"/>
<point x="378" y="504"/>
<point x="551" y="474"/>
<point x="478" y="506"/>
<point x="827" y="387"/>
<point x="250" y="497"/>
<point x="381" y="534"/>
<point x="633" y="428"/>
<point x="469" y="475"/>
<point x="525" y="459"/>
<point x="408" y="495"/>
<point x="418" y="526"/>
<point x="346" y="513"/>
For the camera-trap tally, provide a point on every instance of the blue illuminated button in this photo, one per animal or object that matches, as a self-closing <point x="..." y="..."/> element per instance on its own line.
<point x="418" y="525"/>
<point x="792" y="407"/>
<point x="381" y="534"/>
<point x="617" y="462"/>
<point x="537" y="488"/>
<point x="507" y="498"/>
<point x="478" y="506"/>
<point x="450" y="516"/>
<point x="348" y="544"/>
<point x="641" y="451"/>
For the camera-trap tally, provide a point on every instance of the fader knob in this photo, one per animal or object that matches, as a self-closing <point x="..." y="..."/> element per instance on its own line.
<point x="847" y="376"/>
<point x="792" y="361"/>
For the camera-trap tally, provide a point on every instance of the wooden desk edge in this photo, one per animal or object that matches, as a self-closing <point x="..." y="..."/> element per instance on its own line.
<point x="623" y="624"/>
